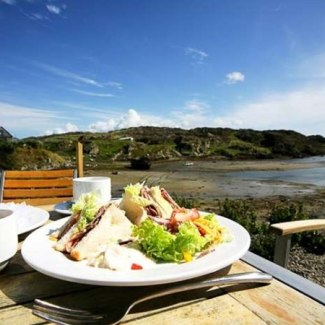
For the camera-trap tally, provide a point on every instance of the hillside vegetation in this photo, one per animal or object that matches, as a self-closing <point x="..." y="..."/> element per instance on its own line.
<point x="158" y="143"/>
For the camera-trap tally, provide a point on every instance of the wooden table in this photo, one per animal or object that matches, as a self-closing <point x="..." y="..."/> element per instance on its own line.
<point x="276" y="303"/>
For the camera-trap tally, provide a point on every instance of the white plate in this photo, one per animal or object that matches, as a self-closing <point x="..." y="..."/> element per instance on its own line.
<point x="27" y="217"/>
<point x="38" y="252"/>
<point x="64" y="207"/>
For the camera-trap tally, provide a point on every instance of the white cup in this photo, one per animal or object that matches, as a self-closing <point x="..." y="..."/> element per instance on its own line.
<point x="99" y="185"/>
<point x="8" y="236"/>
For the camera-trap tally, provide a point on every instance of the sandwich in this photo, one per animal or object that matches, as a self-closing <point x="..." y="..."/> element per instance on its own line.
<point x="140" y="202"/>
<point x="91" y="228"/>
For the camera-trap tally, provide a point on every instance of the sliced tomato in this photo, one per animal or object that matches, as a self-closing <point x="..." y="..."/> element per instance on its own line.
<point x="135" y="266"/>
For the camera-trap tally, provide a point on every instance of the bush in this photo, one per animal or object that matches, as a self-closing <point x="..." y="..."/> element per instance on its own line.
<point x="313" y="242"/>
<point x="241" y="212"/>
<point x="263" y="242"/>
<point x="283" y="213"/>
<point x="262" y="239"/>
<point x="185" y="202"/>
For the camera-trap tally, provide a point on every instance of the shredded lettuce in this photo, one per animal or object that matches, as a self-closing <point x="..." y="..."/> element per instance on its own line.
<point x="132" y="192"/>
<point x="192" y="237"/>
<point x="88" y="204"/>
<point x="133" y="189"/>
<point x="157" y="242"/>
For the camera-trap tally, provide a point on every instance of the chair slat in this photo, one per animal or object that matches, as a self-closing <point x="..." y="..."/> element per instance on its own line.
<point x="40" y="201"/>
<point x="33" y="193"/>
<point x="18" y="174"/>
<point x="38" y="183"/>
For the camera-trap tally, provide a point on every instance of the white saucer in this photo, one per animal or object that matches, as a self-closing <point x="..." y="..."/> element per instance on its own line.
<point x="64" y="207"/>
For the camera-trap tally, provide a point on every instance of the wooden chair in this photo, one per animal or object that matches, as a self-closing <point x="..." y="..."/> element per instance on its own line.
<point x="284" y="231"/>
<point x="39" y="187"/>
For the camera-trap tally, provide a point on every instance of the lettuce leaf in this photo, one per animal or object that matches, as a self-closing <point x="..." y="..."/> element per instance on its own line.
<point x="88" y="204"/>
<point x="132" y="192"/>
<point x="157" y="242"/>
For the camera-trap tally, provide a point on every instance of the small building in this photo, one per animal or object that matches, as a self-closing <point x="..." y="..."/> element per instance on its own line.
<point x="5" y="135"/>
<point x="127" y="138"/>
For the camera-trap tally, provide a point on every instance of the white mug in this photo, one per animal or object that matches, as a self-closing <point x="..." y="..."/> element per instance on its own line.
<point x="8" y="236"/>
<point x="99" y="185"/>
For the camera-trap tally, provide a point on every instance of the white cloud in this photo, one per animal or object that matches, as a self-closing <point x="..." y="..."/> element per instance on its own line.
<point x="88" y="93"/>
<point x="115" y="84"/>
<point x="312" y="67"/>
<point x="195" y="105"/>
<point x="31" y="118"/>
<point x="53" y="9"/>
<point x="131" y="119"/>
<point x="69" y="127"/>
<point x="198" y="56"/>
<point x="67" y="74"/>
<point x="9" y="2"/>
<point x="301" y="110"/>
<point x="192" y="114"/>
<point x="234" y="77"/>
<point x="35" y="16"/>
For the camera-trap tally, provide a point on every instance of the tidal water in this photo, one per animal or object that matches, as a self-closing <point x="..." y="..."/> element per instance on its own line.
<point x="310" y="176"/>
<point x="290" y="177"/>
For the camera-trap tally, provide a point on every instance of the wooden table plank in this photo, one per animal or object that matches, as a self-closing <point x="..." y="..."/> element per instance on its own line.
<point x="278" y="303"/>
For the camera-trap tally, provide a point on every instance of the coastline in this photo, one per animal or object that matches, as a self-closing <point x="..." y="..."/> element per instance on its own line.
<point x="210" y="182"/>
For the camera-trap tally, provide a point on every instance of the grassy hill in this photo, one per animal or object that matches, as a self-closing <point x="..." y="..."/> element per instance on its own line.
<point x="159" y="143"/>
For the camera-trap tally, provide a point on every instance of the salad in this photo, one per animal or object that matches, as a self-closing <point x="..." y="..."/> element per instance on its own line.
<point x="145" y="228"/>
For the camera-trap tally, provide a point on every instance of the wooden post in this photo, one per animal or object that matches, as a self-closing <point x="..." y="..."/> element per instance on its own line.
<point x="282" y="250"/>
<point x="80" y="159"/>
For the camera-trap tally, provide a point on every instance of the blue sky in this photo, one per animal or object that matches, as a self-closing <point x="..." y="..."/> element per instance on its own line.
<point x="108" y="64"/>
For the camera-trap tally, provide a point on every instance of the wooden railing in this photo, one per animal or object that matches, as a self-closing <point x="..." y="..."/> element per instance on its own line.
<point x="285" y="230"/>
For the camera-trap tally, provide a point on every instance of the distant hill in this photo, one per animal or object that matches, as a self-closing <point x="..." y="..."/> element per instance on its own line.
<point x="160" y="143"/>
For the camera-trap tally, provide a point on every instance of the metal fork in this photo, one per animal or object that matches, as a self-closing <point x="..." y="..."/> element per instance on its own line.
<point x="65" y="316"/>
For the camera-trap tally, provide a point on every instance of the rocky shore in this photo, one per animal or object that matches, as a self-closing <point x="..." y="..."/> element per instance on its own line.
<point x="206" y="183"/>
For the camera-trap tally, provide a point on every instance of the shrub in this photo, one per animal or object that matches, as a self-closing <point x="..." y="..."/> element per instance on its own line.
<point x="262" y="239"/>
<point x="241" y="212"/>
<point x="313" y="242"/>
<point x="263" y="242"/>
<point x="185" y="202"/>
<point x="284" y="213"/>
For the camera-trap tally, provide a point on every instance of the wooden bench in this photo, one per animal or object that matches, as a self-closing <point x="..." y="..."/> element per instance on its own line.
<point x="284" y="231"/>
<point x="39" y="187"/>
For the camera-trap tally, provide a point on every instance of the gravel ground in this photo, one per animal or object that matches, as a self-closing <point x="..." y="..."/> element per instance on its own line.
<point x="310" y="266"/>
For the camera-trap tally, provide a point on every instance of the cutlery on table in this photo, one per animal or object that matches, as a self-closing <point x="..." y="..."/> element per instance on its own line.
<point x="62" y="315"/>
